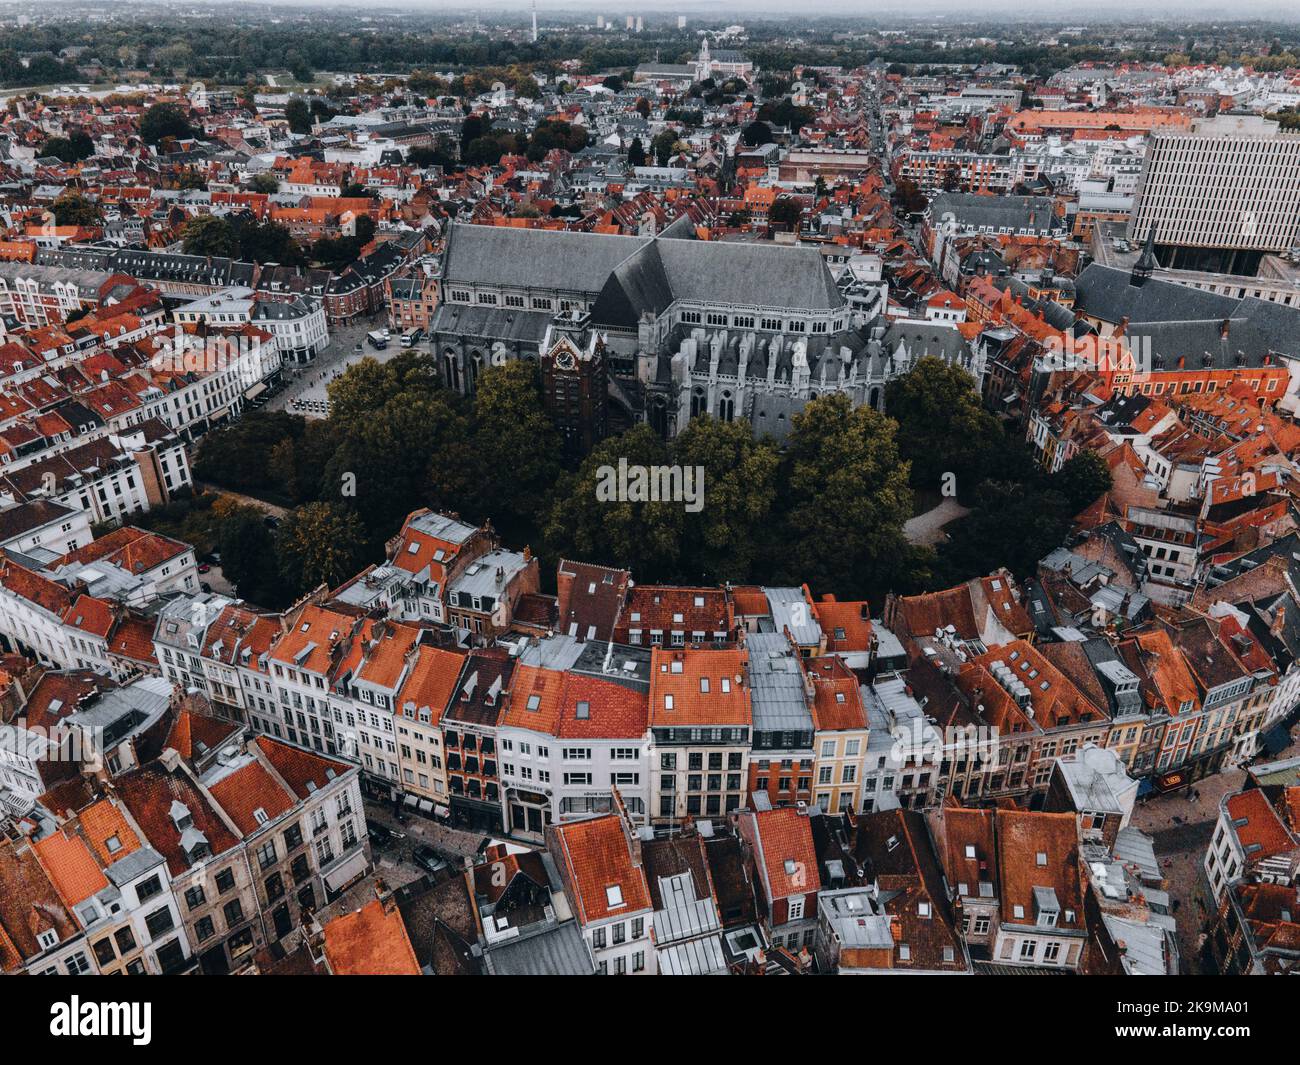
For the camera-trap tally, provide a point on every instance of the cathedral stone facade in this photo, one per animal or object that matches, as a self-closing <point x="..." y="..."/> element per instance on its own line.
<point x="676" y="327"/>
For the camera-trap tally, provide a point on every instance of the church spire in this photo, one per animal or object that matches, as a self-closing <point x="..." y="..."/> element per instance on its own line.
<point x="1146" y="264"/>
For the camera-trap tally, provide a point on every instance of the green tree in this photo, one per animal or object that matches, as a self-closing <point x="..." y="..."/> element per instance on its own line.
<point x="265" y="183"/>
<point x="785" y="212"/>
<point x="207" y="234"/>
<point x="298" y="114"/>
<point x="908" y="197"/>
<point x="74" y="209"/>
<point x="1083" y="479"/>
<point x="846" y="493"/>
<point x="1014" y="524"/>
<point x="646" y="536"/>
<point x="516" y="448"/>
<point x="248" y="557"/>
<point x="165" y="120"/>
<point x="320" y="543"/>
<point x="723" y="540"/>
<point x="72" y="148"/>
<point x="942" y="428"/>
<point x="189" y="178"/>
<point x="235" y="456"/>
<point x="661" y="146"/>
<point x="636" y="153"/>
<point x="397" y="428"/>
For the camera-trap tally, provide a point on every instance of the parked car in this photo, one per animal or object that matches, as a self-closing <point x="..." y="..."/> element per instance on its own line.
<point x="428" y="859"/>
<point x="381" y="835"/>
<point x="204" y="567"/>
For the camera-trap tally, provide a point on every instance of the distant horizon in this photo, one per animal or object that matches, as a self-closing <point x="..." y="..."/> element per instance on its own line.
<point x="1045" y="12"/>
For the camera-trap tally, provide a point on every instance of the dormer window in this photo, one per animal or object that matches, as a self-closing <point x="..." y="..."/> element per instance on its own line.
<point x="1046" y="906"/>
<point x="47" y="939"/>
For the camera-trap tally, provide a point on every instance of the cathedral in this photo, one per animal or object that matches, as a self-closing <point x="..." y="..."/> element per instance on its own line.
<point x="722" y="64"/>
<point x="673" y="327"/>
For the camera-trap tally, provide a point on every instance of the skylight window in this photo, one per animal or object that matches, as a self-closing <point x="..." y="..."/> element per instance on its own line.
<point x="614" y="895"/>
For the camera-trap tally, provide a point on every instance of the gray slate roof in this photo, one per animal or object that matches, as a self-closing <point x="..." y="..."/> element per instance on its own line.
<point x="531" y="258"/>
<point x="637" y="274"/>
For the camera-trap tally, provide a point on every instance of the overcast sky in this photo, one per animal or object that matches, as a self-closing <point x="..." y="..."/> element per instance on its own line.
<point x="1055" y="10"/>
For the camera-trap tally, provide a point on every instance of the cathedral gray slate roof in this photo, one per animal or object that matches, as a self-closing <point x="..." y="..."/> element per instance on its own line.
<point x="489" y="323"/>
<point x="534" y="258"/>
<point x="637" y="274"/>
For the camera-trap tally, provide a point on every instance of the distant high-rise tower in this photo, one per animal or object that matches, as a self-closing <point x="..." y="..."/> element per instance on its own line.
<point x="681" y="22"/>
<point x="640" y="24"/>
<point x="534" y="20"/>
<point x="631" y="22"/>
<point x="600" y="22"/>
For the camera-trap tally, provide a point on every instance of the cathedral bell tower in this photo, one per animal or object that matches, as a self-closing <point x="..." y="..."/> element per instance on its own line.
<point x="575" y="381"/>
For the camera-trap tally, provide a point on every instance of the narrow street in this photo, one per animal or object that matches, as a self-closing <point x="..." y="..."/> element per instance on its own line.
<point x="1181" y="823"/>
<point x="394" y="863"/>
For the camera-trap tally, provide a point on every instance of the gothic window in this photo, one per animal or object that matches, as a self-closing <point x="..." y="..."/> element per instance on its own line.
<point x="726" y="407"/>
<point x="659" y="416"/>
<point x="699" y="403"/>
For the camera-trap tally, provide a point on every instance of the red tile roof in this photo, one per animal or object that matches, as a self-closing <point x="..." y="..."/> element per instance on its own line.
<point x="601" y="866"/>
<point x="786" y="854"/>
<point x="1257" y="826"/>
<point x="676" y="682"/>
<point x="246" y="790"/>
<point x="370" y="942"/>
